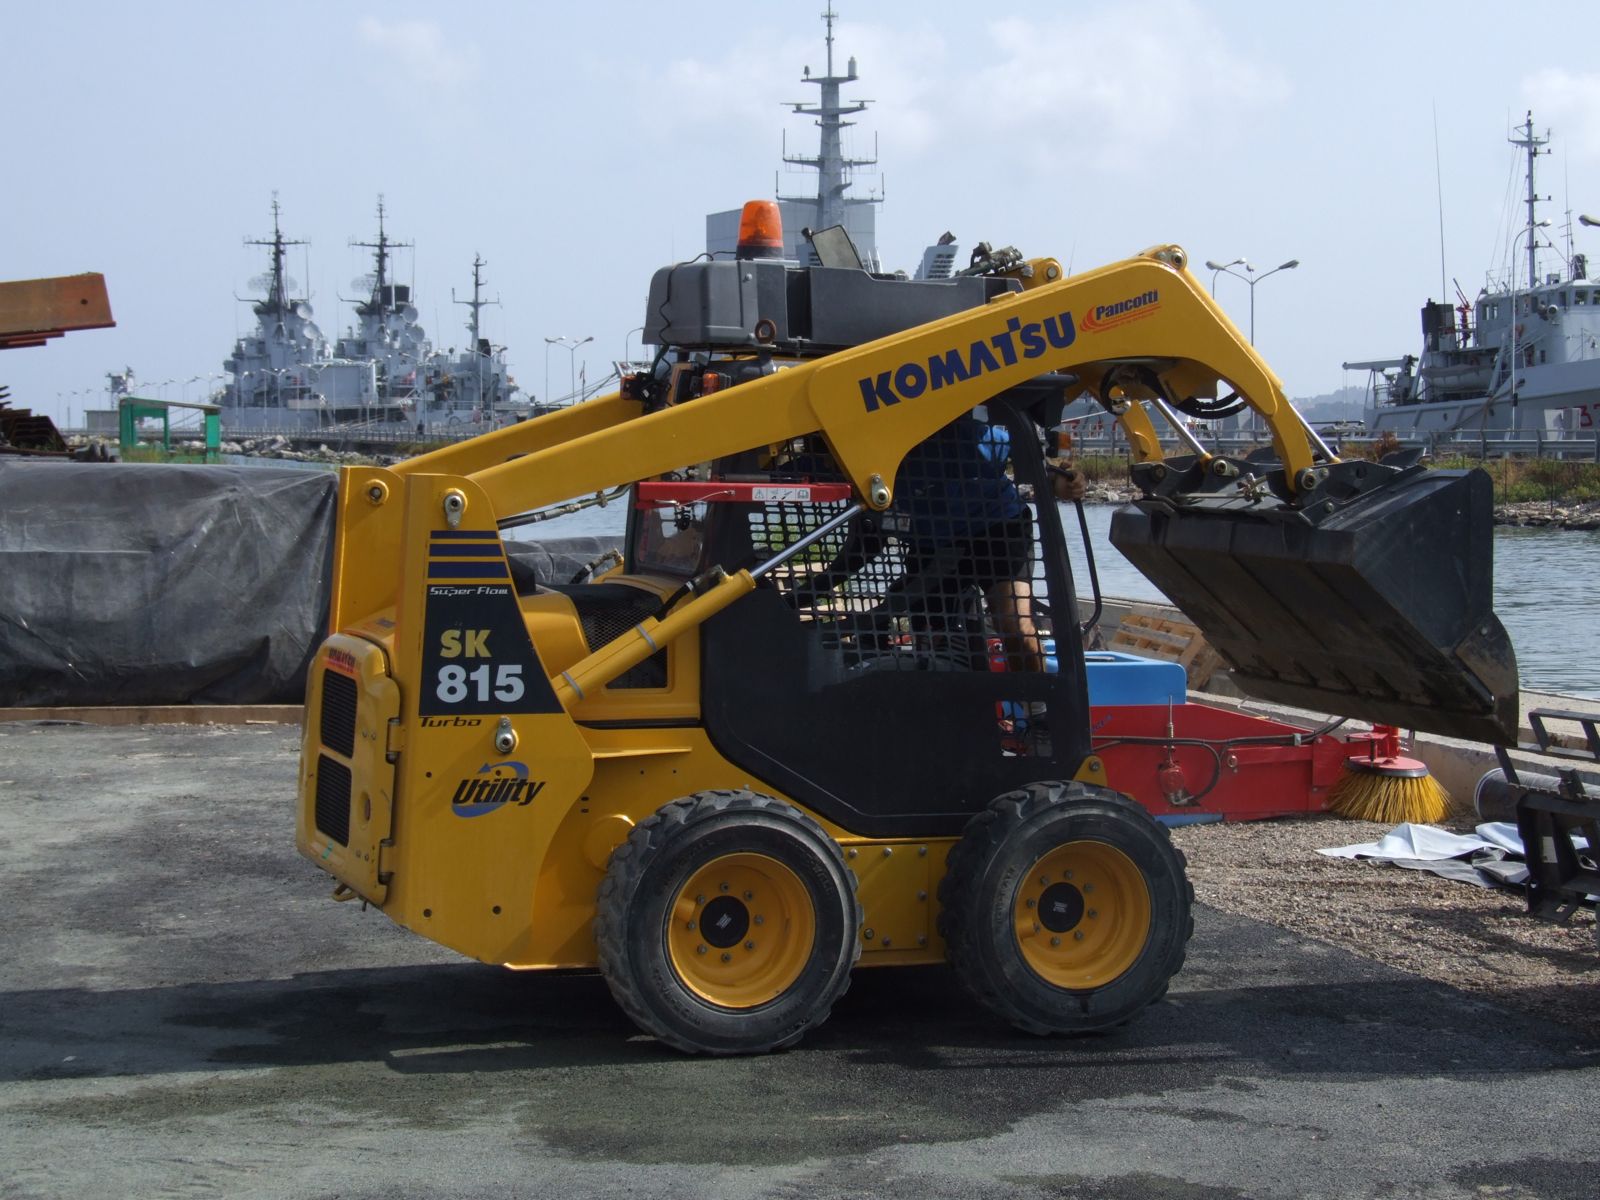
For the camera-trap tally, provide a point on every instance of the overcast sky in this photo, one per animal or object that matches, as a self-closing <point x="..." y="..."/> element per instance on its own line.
<point x="577" y="147"/>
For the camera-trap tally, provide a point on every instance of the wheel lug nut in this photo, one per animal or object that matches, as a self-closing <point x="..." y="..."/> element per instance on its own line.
<point x="726" y="957"/>
<point x="749" y="895"/>
<point x="1044" y="881"/>
<point x="1088" y="887"/>
<point x="700" y="899"/>
<point x="1066" y="874"/>
<point x="760" y="920"/>
<point x="722" y="886"/>
<point x="691" y="926"/>
<point x="1030" y="903"/>
<point x="700" y="950"/>
<point x="749" y="945"/>
<point x="1055" y="941"/>
<point x="1079" y="935"/>
<point x="1093" y="912"/>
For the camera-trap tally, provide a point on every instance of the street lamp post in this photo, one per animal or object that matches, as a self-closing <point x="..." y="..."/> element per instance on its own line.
<point x="1251" y="279"/>
<point x="571" y="345"/>
<point x="1218" y="268"/>
<point x="1515" y="325"/>
<point x="572" y="366"/>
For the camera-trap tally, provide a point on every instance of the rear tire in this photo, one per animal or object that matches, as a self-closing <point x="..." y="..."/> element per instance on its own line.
<point x="728" y="923"/>
<point x="1066" y="908"/>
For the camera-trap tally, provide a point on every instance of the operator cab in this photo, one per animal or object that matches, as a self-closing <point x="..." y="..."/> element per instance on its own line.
<point x="917" y="645"/>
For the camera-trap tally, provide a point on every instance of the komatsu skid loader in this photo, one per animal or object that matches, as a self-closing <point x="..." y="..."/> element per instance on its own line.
<point x="811" y="721"/>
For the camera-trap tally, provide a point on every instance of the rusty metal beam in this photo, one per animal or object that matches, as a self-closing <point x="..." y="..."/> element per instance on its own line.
<point x="32" y="310"/>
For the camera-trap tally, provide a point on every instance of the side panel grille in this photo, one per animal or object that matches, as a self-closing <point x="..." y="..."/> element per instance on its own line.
<point x="333" y="798"/>
<point x="339" y="713"/>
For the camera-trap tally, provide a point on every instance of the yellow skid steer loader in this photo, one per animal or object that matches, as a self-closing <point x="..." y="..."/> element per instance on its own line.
<point x="809" y="722"/>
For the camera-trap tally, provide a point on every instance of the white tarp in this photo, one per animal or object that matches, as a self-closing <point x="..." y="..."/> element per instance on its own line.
<point x="1490" y="856"/>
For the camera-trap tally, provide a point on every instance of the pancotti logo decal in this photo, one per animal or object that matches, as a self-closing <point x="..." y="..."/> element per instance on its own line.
<point x="1110" y="316"/>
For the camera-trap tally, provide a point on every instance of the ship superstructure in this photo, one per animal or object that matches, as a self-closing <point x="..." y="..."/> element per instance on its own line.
<point x="282" y="375"/>
<point x="387" y="333"/>
<point x="1522" y="358"/>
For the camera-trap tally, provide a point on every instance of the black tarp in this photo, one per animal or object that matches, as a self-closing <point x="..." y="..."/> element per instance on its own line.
<point x="135" y="584"/>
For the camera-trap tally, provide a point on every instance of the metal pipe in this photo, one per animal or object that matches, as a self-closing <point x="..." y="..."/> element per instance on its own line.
<point x="1313" y="436"/>
<point x="1185" y="434"/>
<point x="810" y="539"/>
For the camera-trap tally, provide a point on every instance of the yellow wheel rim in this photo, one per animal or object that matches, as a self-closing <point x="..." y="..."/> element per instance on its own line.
<point x="742" y="929"/>
<point x="1082" y="915"/>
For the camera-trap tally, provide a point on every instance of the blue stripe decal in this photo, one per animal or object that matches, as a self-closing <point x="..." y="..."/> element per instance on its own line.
<point x="465" y="550"/>
<point x="454" y="534"/>
<point x="468" y="570"/>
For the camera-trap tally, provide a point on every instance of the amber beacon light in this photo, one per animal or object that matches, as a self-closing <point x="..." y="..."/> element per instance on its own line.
<point x="760" y="230"/>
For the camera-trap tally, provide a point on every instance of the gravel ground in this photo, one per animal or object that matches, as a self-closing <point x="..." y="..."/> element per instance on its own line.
<point x="1479" y="940"/>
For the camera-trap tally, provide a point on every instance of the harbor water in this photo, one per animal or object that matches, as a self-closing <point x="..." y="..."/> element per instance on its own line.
<point x="1544" y="585"/>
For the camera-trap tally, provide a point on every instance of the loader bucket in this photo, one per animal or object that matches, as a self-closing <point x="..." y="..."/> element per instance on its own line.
<point x="1381" y="611"/>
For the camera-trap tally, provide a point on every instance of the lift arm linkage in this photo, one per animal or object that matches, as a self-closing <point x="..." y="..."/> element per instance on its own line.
<point x="874" y="402"/>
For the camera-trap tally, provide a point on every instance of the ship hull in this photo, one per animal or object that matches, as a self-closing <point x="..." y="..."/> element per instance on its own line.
<point x="1554" y="401"/>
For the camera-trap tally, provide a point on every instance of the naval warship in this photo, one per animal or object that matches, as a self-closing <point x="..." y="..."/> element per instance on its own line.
<point x="285" y="376"/>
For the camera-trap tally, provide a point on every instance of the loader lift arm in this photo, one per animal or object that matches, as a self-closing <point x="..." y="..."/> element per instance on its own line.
<point x="874" y="402"/>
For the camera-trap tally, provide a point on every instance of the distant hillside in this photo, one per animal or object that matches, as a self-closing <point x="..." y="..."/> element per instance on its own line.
<point x="1342" y="405"/>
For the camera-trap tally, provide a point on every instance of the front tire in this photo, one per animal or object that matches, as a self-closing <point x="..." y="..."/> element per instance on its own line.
<point x="728" y="923"/>
<point x="1066" y="908"/>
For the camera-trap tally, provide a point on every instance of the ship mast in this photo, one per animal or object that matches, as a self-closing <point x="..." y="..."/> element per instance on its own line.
<point x="476" y="303"/>
<point x="378" y="305"/>
<point x="1531" y="144"/>
<point x="832" y="167"/>
<point x="277" y="301"/>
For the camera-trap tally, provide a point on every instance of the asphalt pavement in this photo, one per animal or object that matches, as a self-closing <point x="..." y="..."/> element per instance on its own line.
<point x="183" y="1012"/>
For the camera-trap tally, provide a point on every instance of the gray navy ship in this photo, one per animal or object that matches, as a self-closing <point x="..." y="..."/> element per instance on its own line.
<point x="384" y="372"/>
<point x="1522" y="358"/>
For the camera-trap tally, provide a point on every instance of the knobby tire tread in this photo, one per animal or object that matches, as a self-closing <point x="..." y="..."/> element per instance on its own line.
<point x="631" y="859"/>
<point x="983" y="836"/>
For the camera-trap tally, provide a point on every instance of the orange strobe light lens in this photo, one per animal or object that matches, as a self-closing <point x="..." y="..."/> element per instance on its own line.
<point x="760" y="230"/>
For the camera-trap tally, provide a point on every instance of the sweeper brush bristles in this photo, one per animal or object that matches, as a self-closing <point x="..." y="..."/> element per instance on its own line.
<point x="1389" y="790"/>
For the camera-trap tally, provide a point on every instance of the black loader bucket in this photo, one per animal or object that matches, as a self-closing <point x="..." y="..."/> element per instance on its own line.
<point x="1381" y="610"/>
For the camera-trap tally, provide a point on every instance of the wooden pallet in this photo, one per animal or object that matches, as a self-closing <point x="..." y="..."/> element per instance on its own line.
<point x="1154" y="634"/>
